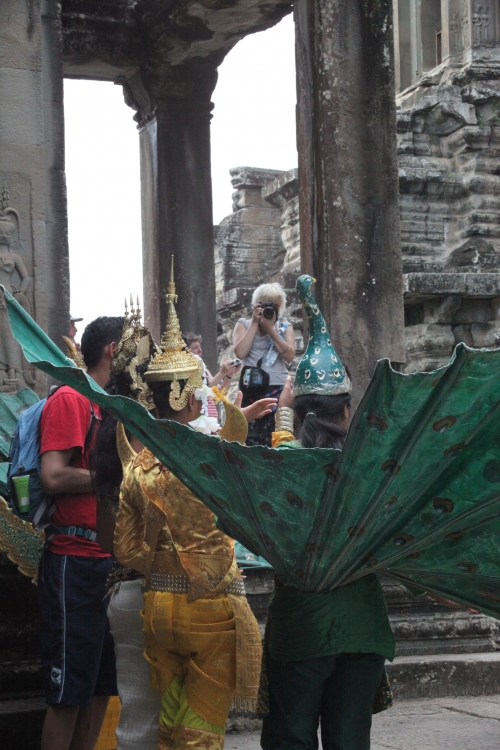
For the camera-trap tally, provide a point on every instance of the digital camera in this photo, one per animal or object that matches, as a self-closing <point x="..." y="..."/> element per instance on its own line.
<point x="270" y="310"/>
<point x="254" y="377"/>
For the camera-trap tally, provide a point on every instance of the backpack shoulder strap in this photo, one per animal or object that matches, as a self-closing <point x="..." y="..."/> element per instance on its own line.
<point x="90" y="432"/>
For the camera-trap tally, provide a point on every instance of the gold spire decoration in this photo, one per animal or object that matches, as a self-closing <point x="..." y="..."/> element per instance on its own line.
<point x="135" y="349"/>
<point x="175" y="362"/>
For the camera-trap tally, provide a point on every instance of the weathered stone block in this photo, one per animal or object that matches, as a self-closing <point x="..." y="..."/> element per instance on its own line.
<point x="20" y="94"/>
<point x="18" y="49"/>
<point x="406" y="144"/>
<point x="428" y="346"/>
<point x="470" y="138"/>
<point x="442" y="310"/>
<point x="282" y="189"/>
<point x="486" y="335"/>
<point x="248" y="198"/>
<point x="464" y="284"/>
<point x="463" y="335"/>
<point x="473" y="311"/>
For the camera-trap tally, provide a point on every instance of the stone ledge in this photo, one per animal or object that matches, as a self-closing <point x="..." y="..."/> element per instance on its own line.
<point x="445" y="675"/>
<point x="427" y="285"/>
<point x="253" y="177"/>
<point x="283" y="189"/>
<point x="22" y="705"/>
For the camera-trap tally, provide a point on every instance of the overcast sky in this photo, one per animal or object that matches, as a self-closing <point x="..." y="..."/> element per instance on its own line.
<point x="253" y="125"/>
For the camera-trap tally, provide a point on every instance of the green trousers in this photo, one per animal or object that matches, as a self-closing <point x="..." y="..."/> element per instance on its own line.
<point x="337" y="690"/>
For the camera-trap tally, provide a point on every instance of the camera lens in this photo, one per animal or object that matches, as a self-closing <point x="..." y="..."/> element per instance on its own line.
<point x="268" y="313"/>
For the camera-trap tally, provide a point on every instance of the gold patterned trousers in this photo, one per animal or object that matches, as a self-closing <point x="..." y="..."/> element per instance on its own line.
<point x="200" y="653"/>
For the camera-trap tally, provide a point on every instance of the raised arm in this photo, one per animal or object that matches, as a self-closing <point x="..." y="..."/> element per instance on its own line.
<point x="243" y="337"/>
<point x="284" y="416"/>
<point x="223" y="377"/>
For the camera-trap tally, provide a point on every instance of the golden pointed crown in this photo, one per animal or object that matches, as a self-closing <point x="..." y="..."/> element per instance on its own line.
<point x="174" y="361"/>
<point x="136" y="348"/>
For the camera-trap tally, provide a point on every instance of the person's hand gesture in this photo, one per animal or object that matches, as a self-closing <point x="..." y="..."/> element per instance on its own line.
<point x="287" y="396"/>
<point x="257" y="314"/>
<point x="266" y="324"/>
<point x="258" y="409"/>
<point x="229" y="368"/>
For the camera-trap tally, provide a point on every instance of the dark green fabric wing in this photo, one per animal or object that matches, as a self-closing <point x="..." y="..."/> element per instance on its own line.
<point x="260" y="494"/>
<point x="415" y="492"/>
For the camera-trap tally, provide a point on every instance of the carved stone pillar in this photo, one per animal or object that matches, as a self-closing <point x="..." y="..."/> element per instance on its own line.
<point x="55" y="285"/>
<point x="177" y="206"/>
<point x="33" y="231"/>
<point x="349" y="202"/>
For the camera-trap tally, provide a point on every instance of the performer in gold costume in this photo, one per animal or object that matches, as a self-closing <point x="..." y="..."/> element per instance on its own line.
<point x="201" y="637"/>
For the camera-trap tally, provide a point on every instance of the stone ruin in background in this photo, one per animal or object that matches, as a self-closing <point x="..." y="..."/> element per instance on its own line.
<point x="448" y="122"/>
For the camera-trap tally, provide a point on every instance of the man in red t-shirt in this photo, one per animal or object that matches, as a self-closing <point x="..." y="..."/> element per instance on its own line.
<point x="76" y="646"/>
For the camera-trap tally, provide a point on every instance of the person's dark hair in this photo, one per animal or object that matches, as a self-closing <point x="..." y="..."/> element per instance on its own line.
<point x="98" y="334"/>
<point x="191" y="337"/>
<point x="161" y="393"/>
<point x="317" y="420"/>
<point x="105" y="464"/>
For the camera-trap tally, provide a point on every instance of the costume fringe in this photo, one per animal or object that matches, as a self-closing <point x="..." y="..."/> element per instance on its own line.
<point x="245" y="704"/>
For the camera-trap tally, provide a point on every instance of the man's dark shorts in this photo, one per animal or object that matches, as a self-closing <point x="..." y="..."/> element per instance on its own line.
<point x="78" y="659"/>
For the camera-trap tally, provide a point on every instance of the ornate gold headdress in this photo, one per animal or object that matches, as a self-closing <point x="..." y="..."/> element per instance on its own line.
<point x="175" y="362"/>
<point x="135" y="349"/>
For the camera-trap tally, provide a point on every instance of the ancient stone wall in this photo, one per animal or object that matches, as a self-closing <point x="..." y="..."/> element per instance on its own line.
<point x="449" y="177"/>
<point x="449" y="161"/>
<point x="258" y="242"/>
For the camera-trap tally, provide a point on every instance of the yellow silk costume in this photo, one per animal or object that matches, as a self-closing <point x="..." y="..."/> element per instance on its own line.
<point x="204" y="645"/>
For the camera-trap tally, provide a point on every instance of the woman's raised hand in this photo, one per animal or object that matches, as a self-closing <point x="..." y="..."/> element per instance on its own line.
<point x="229" y="368"/>
<point x="287" y="396"/>
<point x="267" y="324"/>
<point x="257" y="314"/>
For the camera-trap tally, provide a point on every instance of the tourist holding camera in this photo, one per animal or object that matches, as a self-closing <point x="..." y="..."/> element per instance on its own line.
<point x="264" y="343"/>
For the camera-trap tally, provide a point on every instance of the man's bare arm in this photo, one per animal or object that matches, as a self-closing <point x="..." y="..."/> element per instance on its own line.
<point x="59" y="477"/>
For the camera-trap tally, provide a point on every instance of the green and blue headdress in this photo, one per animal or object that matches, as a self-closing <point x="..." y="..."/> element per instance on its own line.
<point x="320" y="370"/>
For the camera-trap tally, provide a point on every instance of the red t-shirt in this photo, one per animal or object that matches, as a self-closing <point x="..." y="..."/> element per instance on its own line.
<point x="64" y="424"/>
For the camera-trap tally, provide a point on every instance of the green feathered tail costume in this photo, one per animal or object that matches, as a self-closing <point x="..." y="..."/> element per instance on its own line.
<point x="414" y="493"/>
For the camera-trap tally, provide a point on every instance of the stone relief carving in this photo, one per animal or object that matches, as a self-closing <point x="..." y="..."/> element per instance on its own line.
<point x="459" y="26"/>
<point x="15" y="372"/>
<point x="483" y="24"/>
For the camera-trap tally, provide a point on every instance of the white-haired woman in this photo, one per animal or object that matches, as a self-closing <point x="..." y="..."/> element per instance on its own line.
<point x="264" y="342"/>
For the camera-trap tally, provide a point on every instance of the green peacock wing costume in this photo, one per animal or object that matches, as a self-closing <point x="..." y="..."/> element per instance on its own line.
<point x="415" y="492"/>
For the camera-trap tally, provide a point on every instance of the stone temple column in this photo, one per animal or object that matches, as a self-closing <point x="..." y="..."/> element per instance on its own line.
<point x="348" y="178"/>
<point x="177" y="207"/>
<point x="33" y="223"/>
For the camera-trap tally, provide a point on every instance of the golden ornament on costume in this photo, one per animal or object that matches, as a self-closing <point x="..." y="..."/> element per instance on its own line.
<point x="174" y="361"/>
<point x="135" y="349"/>
<point x="74" y="354"/>
<point x="19" y="540"/>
